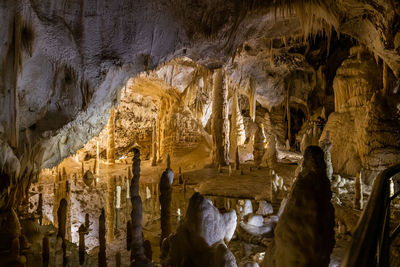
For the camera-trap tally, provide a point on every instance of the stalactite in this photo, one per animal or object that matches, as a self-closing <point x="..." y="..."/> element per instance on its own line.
<point x="166" y="181"/>
<point x="219" y="122"/>
<point x="102" y="259"/>
<point x="385" y="79"/>
<point x="358" y="193"/>
<point x="45" y="251"/>
<point x="95" y="166"/>
<point x="137" y="250"/>
<point x="111" y="137"/>
<point x="252" y="98"/>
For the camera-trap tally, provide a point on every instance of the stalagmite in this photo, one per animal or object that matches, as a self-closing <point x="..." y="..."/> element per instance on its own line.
<point x="219" y="121"/>
<point x="45" y="251"/>
<point x="137" y="250"/>
<point x="40" y="208"/>
<point x="166" y="181"/>
<point x="258" y="148"/>
<point x="62" y="218"/>
<point x="237" y="160"/>
<point x="358" y="193"/>
<point x="82" y="232"/>
<point x="102" y="259"/>
<point x="168" y="161"/>
<point x="110" y="207"/>
<point x="111" y="137"/>
<point x="326" y="146"/>
<point x="271" y="152"/>
<point x="237" y="133"/>
<point x="87" y="221"/>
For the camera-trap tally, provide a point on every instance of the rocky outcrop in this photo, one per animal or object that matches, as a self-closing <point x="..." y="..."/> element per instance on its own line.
<point x="304" y="235"/>
<point x="200" y="238"/>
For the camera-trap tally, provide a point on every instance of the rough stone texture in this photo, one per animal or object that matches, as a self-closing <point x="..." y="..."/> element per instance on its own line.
<point x="199" y="239"/>
<point x="219" y="121"/>
<point x="304" y="235"/>
<point x="364" y="127"/>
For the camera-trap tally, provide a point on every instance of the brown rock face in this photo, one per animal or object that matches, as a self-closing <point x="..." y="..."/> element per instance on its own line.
<point x="304" y="235"/>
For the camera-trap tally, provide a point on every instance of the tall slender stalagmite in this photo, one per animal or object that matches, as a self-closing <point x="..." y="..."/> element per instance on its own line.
<point x="358" y="193"/>
<point x="219" y="121"/>
<point x="237" y="133"/>
<point x="110" y="139"/>
<point x="62" y="218"/>
<point x="166" y="181"/>
<point x="40" y="208"/>
<point x="110" y="208"/>
<point x="97" y="170"/>
<point x="82" y="231"/>
<point x="102" y="259"/>
<point x="138" y="257"/>
<point x="237" y="159"/>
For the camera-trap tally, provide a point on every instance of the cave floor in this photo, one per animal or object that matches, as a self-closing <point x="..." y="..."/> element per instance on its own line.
<point x="220" y="186"/>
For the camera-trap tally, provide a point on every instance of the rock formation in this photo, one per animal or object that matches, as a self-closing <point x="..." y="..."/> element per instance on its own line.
<point x="199" y="239"/>
<point x="220" y="125"/>
<point x="304" y="235"/>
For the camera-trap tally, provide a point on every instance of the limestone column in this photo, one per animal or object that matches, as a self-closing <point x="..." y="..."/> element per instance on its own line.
<point x="219" y="121"/>
<point x="252" y="99"/>
<point x="154" y="147"/>
<point x="102" y="258"/>
<point x="111" y="136"/>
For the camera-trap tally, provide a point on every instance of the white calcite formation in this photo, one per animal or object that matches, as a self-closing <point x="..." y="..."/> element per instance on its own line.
<point x="200" y="238"/>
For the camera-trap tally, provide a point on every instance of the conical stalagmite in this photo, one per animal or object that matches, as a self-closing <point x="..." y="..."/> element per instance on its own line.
<point x="111" y="137"/>
<point x="166" y="181"/>
<point x="258" y="146"/>
<point x="219" y="121"/>
<point x="110" y="207"/>
<point x="40" y="208"/>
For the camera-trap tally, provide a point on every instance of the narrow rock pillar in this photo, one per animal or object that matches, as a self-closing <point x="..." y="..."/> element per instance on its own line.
<point x="166" y="181"/>
<point x="219" y="121"/>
